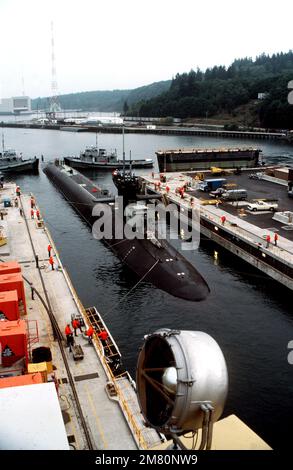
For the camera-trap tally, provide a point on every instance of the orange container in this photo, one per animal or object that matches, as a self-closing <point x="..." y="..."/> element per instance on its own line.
<point x="9" y="267"/>
<point x="9" y="305"/>
<point x="13" y="342"/>
<point x="14" y="281"/>
<point x="28" y="379"/>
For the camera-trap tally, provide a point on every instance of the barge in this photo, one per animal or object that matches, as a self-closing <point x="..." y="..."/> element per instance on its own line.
<point x="188" y="159"/>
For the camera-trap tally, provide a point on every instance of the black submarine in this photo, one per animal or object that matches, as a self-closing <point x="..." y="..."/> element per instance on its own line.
<point x="152" y="259"/>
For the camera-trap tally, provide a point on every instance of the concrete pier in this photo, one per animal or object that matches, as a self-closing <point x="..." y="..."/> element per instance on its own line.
<point x="92" y="419"/>
<point x="246" y="239"/>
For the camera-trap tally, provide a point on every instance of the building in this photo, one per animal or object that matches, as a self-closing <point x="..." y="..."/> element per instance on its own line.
<point x="15" y="105"/>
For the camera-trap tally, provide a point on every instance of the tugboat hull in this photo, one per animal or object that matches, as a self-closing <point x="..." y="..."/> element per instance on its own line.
<point x="106" y="166"/>
<point x="21" y="167"/>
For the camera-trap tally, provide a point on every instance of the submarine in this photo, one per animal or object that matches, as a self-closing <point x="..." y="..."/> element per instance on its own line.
<point x="152" y="259"/>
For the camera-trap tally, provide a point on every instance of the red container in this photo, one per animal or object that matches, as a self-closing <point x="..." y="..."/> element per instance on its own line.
<point x="9" y="305"/>
<point x="14" y="281"/>
<point x="9" y="267"/>
<point x="28" y="379"/>
<point x="13" y="342"/>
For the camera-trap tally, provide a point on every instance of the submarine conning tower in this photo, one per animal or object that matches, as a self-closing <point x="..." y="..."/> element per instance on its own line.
<point x="127" y="184"/>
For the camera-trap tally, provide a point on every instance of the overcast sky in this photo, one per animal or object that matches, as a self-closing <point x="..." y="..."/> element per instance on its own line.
<point x="118" y="44"/>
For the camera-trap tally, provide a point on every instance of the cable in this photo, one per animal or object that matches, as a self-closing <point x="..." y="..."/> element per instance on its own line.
<point x="129" y="292"/>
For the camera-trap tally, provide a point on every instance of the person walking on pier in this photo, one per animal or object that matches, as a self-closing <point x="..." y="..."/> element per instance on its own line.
<point x="75" y="325"/>
<point x="69" y="337"/>
<point x="276" y="238"/>
<point x="89" y="333"/>
<point x="51" y="261"/>
<point x="32" y="213"/>
<point x="103" y="335"/>
<point x="32" y="203"/>
<point x="49" y="250"/>
<point x="223" y="219"/>
<point x="38" y="214"/>
<point x="268" y="240"/>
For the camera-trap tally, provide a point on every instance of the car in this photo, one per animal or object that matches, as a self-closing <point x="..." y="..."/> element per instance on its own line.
<point x="218" y="192"/>
<point x="255" y="176"/>
<point x="262" y="206"/>
<point x="234" y="195"/>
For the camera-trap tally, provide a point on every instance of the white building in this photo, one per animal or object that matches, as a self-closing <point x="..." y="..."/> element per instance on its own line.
<point x="16" y="104"/>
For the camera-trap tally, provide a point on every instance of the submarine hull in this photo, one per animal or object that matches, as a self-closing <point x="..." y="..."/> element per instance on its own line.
<point x="159" y="264"/>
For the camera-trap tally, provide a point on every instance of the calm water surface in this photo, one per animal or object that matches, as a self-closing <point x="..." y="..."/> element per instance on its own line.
<point x="249" y="315"/>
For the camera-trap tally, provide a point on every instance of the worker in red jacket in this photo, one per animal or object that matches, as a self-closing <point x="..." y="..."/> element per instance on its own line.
<point x="69" y="337"/>
<point x="268" y="240"/>
<point x="75" y="325"/>
<point x="276" y="238"/>
<point x="103" y="335"/>
<point x="49" y="250"/>
<point x="51" y="261"/>
<point x="89" y="334"/>
<point x="38" y="214"/>
<point x="32" y="213"/>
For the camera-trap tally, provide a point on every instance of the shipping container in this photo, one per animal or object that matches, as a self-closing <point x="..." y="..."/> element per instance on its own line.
<point x="14" y="281"/>
<point x="13" y="342"/>
<point x="16" y="381"/>
<point x="9" y="267"/>
<point x="9" y="305"/>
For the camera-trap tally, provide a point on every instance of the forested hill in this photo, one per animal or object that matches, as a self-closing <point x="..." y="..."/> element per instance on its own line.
<point x="220" y="90"/>
<point x="115" y="100"/>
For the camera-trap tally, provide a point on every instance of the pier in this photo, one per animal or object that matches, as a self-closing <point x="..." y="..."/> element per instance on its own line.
<point x="158" y="130"/>
<point x="243" y="233"/>
<point x="99" y="408"/>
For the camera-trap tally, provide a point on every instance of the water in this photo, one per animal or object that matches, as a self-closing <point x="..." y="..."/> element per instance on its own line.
<point x="249" y="315"/>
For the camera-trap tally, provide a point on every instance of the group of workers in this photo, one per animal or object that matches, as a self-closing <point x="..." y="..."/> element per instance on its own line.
<point x="268" y="239"/>
<point x="76" y="324"/>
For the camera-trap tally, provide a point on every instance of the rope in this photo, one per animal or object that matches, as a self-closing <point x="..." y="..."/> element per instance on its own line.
<point x="134" y="287"/>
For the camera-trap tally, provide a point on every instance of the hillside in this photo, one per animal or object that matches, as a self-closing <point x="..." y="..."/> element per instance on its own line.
<point x="222" y="91"/>
<point x="112" y="101"/>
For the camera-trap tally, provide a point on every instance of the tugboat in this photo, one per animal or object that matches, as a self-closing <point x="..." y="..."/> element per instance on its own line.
<point x="153" y="259"/>
<point x="13" y="163"/>
<point x="10" y="161"/>
<point x="97" y="158"/>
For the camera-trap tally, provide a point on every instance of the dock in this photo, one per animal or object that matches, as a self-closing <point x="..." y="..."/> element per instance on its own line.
<point x="243" y="233"/>
<point x="99" y="408"/>
<point x="159" y="130"/>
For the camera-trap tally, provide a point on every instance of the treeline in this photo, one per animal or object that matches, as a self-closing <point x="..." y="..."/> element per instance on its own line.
<point x="112" y="101"/>
<point x="220" y="90"/>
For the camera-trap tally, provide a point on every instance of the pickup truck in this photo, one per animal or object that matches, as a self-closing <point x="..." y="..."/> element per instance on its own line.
<point x="262" y="206"/>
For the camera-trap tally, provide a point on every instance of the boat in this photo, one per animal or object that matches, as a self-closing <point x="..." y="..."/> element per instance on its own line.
<point x="98" y="158"/>
<point x="188" y="159"/>
<point x="153" y="259"/>
<point x="10" y="161"/>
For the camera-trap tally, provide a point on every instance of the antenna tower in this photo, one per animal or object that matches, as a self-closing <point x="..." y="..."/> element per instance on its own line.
<point x="54" y="106"/>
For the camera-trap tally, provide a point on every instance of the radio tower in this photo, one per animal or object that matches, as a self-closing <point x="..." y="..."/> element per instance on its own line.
<point x="54" y="106"/>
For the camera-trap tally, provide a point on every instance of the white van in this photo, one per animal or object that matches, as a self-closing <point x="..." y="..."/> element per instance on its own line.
<point x="234" y="195"/>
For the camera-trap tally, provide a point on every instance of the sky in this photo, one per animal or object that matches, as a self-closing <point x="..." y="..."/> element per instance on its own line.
<point x="115" y="44"/>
